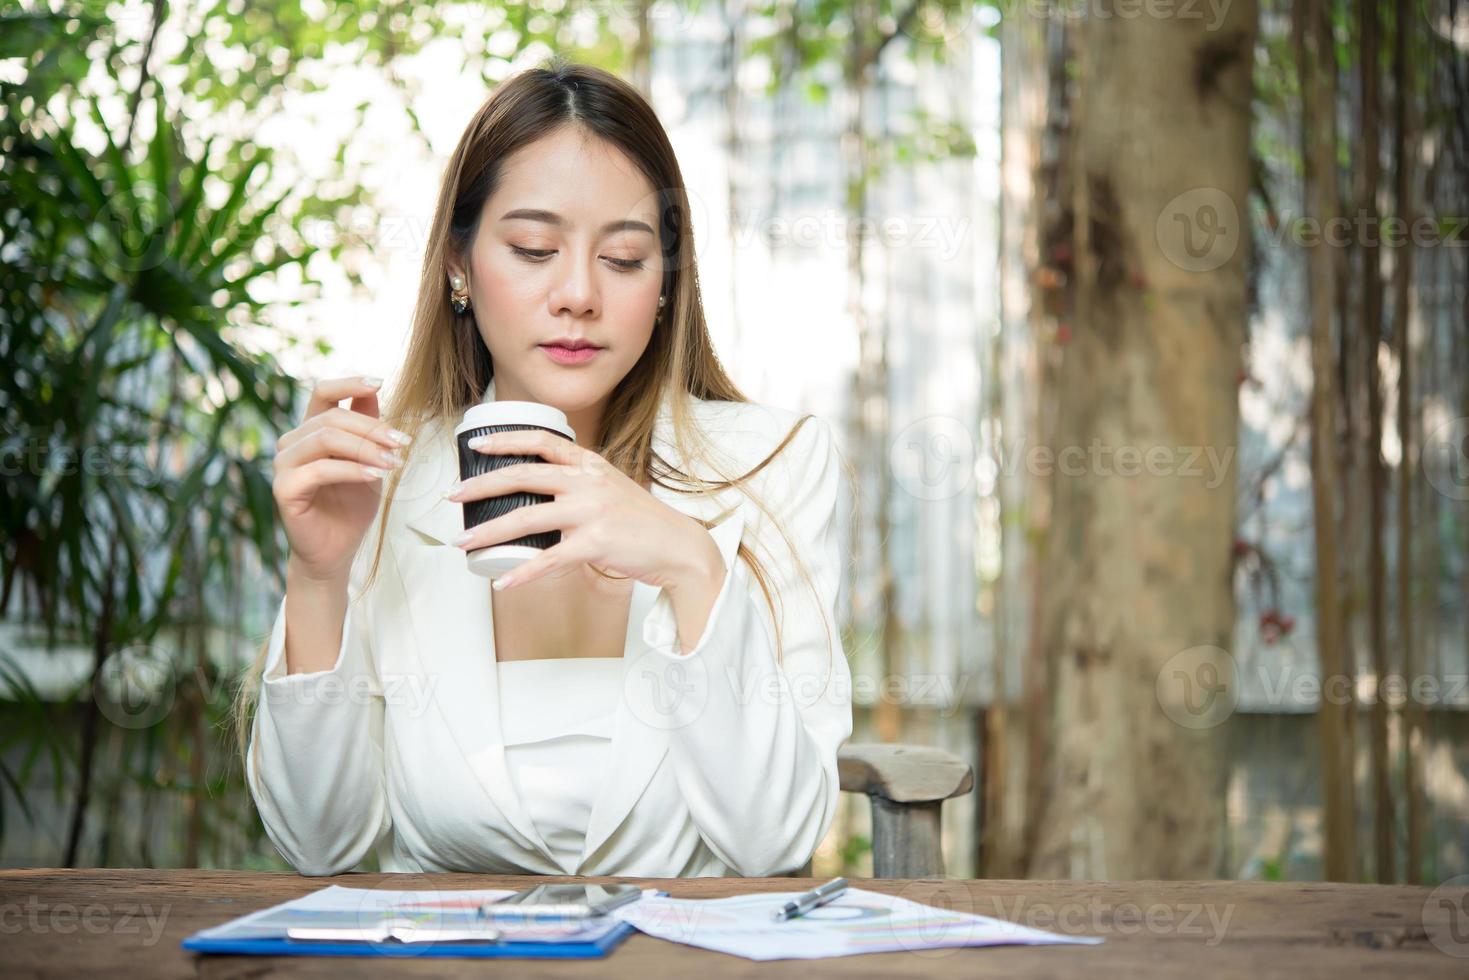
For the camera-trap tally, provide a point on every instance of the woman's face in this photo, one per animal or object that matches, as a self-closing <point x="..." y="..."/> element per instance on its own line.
<point x="567" y="247"/>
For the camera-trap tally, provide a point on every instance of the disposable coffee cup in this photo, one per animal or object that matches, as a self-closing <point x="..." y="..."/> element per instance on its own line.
<point x="485" y="419"/>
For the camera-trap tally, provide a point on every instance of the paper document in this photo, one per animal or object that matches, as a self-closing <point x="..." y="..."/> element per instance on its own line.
<point x="857" y="922"/>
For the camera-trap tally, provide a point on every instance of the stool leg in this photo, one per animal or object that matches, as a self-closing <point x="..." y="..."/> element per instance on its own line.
<point x="906" y="841"/>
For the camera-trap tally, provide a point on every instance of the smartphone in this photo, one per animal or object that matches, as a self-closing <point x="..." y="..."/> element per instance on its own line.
<point x="561" y="902"/>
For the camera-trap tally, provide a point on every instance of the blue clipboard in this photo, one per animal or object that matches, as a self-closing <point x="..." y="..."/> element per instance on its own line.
<point x="509" y="949"/>
<point x="591" y="950"/>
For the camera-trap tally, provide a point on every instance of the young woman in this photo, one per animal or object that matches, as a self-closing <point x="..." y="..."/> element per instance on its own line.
<point x="662" y="693"/>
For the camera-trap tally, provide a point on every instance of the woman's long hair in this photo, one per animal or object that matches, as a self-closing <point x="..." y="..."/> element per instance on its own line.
<point x="447" y="365"/>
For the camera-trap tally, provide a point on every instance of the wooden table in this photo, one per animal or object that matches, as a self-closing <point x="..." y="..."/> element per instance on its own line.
<point x="106" y="922"/>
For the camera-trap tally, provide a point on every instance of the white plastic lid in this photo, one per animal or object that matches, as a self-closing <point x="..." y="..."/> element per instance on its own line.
<point x="515" y="413"/>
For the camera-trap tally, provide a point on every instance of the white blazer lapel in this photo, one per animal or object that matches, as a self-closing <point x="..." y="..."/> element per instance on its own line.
<point x="640" y="735"/>
<point x="636" y="751"/>
<point x="454" y="635"/>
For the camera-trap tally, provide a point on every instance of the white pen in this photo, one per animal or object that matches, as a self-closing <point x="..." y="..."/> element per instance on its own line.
<point x="807" y="901"/>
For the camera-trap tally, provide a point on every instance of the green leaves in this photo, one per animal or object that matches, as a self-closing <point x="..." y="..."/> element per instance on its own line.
<point x="136" y="415"/>
<point x="817" y="42"/>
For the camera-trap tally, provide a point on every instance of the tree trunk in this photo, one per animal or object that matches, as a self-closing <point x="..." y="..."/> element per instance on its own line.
<point x="1012" y="385"/>
<point x="1318" y="129"/>
<point x="1049" y="302"/>
<point x="1385" y="859"/>
<point x="1147" y="357"/>
<point x="91" y="722"/>
<point x="870" y="383"/>
<point x="1402" y="291"/>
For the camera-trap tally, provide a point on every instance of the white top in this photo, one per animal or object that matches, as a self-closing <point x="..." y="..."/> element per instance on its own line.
<point x="557" y="719"/>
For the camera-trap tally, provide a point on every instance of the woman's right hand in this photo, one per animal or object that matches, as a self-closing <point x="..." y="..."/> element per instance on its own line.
<point x="328" y="476"/>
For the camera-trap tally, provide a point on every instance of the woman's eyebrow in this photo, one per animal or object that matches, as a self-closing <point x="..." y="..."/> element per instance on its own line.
<point x="552" y="218"/>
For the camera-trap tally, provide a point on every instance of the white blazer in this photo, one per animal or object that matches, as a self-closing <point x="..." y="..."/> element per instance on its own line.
<point x="723" y="762"/>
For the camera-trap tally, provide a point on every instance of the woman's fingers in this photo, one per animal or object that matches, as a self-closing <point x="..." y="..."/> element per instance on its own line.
<point x="326" y="442"/>
<point x="529" y="519"/>
<point x="366" y="426"/>
<point x="362" y="417"/>
<point x="329" y="391"/>
<point x="301" y="482"/>
<point x="544" y="478"/>
<point x="554" y="562"/>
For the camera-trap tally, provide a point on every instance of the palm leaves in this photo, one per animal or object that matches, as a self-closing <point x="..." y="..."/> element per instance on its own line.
<point x="135" y="417"/>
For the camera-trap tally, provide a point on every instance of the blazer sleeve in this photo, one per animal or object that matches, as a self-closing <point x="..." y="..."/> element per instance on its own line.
<point x="754" y="742"/>
<point x="315" y="760"/>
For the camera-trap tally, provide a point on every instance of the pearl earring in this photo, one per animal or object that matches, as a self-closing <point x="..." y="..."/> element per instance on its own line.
<point x="458" y="297"/>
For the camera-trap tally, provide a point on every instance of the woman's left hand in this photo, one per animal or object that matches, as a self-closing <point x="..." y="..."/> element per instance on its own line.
<point x="605" y="518"/>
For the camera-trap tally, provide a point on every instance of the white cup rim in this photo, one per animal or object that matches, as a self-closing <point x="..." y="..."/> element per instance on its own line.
<point x="515" y="413"/>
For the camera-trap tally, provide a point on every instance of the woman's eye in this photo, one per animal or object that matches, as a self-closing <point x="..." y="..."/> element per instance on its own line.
<point x="540" y="255"/>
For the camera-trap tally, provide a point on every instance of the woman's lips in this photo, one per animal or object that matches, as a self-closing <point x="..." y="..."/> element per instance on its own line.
<point x="565" y="355"/>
